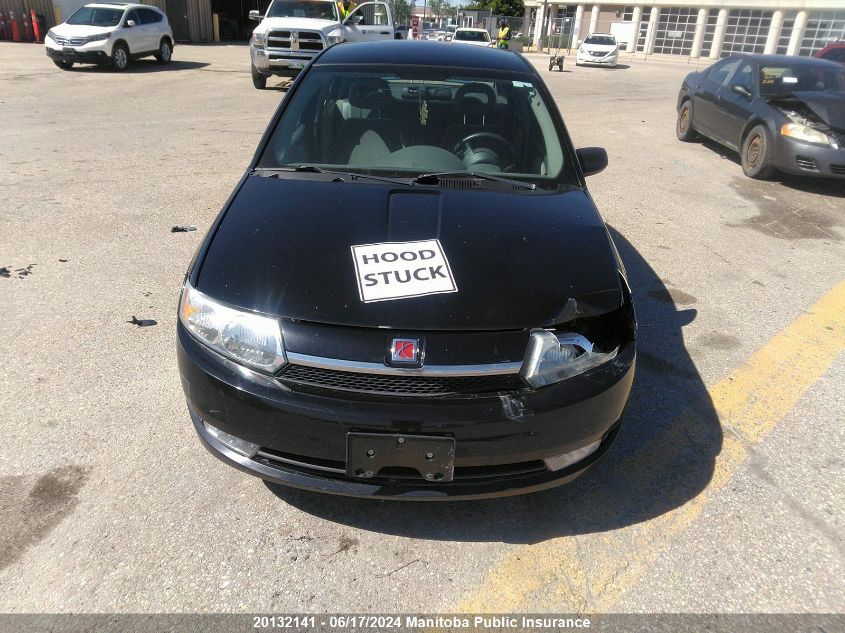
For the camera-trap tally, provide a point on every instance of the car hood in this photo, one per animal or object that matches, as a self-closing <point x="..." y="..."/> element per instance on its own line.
<point x="300" y="24"/>
<point x="518" y="260"/>
<point x="487" y="44"/>
<point x="829" y="106"/>
<point x="599" y="48"/>
<point x="81" y="30"/>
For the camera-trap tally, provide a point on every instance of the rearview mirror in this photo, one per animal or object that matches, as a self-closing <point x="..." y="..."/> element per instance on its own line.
<point x="130" y="23"/>
<point x="592" y="159"/>
<point x="742" y="90"/>
<point x="255" y="15"/>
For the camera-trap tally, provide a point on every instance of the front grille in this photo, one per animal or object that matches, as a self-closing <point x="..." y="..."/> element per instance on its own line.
<point x="397" y="385"/>
<point x="70" y="41"/>
<point x="337" y="469"/>
<point x="838" y="169"/>
<point x="806" y="163"/>
<point x="294" y="41"/>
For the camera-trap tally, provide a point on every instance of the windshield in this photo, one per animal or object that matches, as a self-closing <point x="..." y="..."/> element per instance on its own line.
<point x="407" y="123"/>
<point x="317" y="9"/>
<point x="472" y="36"/>
<point x="783" y="79"/>
<point x="600" y="40"/>
<point x="96" y="16"/>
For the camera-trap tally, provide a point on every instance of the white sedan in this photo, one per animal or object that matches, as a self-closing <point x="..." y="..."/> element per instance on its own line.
<point x="598" y="48"/>
<point x="474" y="37"/>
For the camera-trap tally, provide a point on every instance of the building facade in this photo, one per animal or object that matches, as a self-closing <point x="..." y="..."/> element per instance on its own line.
<point x="701" y="29"/>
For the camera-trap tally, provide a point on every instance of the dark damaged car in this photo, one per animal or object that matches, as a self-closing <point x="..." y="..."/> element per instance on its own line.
<point x="410" y="294"/>
<point x="779" y="112"/>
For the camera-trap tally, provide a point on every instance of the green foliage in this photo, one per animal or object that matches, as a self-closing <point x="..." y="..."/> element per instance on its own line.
<point x="506" y="7"/>
<point x="401" y="11"/>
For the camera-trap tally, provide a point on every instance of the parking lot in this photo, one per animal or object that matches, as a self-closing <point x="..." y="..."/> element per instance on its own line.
<point x="723" y="491"/>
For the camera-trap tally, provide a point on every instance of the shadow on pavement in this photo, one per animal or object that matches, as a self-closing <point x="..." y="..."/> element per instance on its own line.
<point x="663" y="457"/>
<point x="144" y="66"/>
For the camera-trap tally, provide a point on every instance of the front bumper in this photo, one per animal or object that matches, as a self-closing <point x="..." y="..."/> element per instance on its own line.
<point x="91" y="53"/>
<point x="808" y="159"/>
<point x="276" y="62"/>
<point x="585" y="58"/>
<point x="501" y="439"/>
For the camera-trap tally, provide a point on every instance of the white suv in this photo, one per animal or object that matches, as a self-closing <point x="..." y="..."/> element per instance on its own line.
<point x="110" y="33"/>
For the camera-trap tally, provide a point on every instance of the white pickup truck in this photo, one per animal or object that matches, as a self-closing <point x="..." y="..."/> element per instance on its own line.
<point x="294" y="31"/>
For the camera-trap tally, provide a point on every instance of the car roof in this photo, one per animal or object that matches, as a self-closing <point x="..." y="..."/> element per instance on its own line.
<point x="121" y="5"/>
<point x="425" y="53"/>
<point x="602" y="34"/>
<point x="786" y="59"/>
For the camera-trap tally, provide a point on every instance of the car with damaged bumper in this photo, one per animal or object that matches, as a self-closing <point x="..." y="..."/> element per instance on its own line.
<point x="781" y="113"/>
<point x="410" y="294"/>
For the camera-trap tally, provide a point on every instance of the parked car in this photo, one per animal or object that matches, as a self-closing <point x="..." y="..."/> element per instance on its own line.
<point x="292" y="32"/>
<point x="110" y="33"/>
<point x="833" y="52"/>
<point x="474" y="37"/>
<point x="410" y="293"/>
<point x="600" y="49"/>
<point x="779" y="112"/>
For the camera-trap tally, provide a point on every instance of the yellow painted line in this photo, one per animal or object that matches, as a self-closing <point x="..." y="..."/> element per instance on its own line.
<point x="591" y="572"/>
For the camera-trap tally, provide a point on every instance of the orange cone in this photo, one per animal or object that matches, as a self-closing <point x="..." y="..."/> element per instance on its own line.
<point x="36" y="29"/>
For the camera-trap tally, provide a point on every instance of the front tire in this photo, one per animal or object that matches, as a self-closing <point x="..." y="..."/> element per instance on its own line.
<point x="120" y="57"/>
<point x="683" y="128"/>
<point x="756" y="155"/>
<point x="258" y="80"/>
<point x="165" y="52"/>
<point x="64" y="65"/>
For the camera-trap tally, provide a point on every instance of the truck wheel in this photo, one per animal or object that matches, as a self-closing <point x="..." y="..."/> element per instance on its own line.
<point x="64" y="65"/>
<point x="258" y="80"/>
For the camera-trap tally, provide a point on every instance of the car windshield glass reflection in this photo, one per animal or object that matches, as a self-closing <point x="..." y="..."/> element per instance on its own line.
<point x="402" y="125"/>
<point x="600" y="40"/>
<point x="314" y="9"/>
<point x="782" y="79"/>
<point x="94" y="16"/>
<point x="472" y="36"/>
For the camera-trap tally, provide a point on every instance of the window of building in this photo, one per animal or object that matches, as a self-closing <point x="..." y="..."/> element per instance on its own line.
<point x="823" y="27"/>
<point x="709" y="31"/>
<point x="786" y="32"/>
<point x="746" y="31"/>
<point x="675" y="31"/>
<point x="645" y="16"/>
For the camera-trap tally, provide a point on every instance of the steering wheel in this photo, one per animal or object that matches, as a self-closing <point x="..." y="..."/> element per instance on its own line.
<point x="475" y="150"/>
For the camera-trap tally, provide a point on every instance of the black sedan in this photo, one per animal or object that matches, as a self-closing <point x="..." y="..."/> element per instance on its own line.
<point x="410" y="293"/>
<point x="779" y="112"/>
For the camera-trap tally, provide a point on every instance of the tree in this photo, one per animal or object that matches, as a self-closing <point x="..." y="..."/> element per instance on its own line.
<point x="511" y="8"/>
<point x="401" y="11"/>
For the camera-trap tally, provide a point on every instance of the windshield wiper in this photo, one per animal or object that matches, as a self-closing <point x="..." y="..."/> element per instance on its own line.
<point x="434" y="178"/>
<point x="311" y="169"/>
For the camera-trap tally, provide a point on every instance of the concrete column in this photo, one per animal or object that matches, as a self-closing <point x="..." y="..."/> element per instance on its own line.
<point x="698" y="37"/>
<point x="526" y="20"/>
<point x="594" y="18"/>
<point x="719" y="35"/>
<point x="550" y="25"/>
<point x="576" y="28"/>
<point x="538" y="26"/>
<point x="651" y="33"/>
<point x="774" y="33"/>
<point x="636" y="19"/>
<point x="797" y="33"/>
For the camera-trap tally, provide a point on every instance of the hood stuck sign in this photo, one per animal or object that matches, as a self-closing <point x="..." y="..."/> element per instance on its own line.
<point x="400" y="270"/>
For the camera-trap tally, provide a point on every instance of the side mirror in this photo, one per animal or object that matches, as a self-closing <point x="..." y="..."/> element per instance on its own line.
<point x="130" y="24"/>
<point x="592" y="159"/>
<point x="580" y="42"/>
<point x="255" y="15"/>
<point x="742" y="90"/>
<point x="354" y="19"/>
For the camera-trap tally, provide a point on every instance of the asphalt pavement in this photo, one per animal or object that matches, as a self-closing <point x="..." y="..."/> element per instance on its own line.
<point x="723" y="492"/>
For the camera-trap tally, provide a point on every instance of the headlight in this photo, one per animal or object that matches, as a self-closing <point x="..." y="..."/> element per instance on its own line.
<point x="804" y="133"/>
<point x="258" y="39"/>
<point x="335" y="37"/>
<point x="248" y="338"/>
<point x="99" y="37"/>
<point x="51" y="35"/>
<point x="551" y="358"/>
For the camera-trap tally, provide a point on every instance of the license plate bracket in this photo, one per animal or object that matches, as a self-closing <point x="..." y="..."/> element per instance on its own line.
<point x="431" y="456"/>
